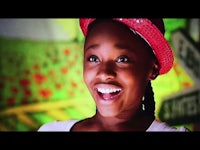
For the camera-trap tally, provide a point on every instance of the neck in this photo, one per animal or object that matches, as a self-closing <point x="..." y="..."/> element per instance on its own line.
<point x="139" y="122"/>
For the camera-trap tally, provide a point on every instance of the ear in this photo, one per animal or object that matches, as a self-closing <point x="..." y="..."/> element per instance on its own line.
<point x="155" y="71"/>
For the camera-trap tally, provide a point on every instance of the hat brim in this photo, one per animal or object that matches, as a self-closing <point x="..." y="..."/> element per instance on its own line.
<point x="150" y="33"/>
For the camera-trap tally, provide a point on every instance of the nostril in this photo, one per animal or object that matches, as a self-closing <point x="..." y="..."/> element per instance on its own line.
<point x="106" y="74"/>
<point x="107" y="70"/>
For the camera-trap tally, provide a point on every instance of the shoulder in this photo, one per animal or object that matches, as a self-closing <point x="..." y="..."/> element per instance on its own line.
<point x="58" y="125"/>
<point x="164" y="127"/>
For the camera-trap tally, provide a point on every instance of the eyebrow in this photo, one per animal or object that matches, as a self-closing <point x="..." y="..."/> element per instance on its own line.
<point x="123" y="46"/>
<point x="93" y="46"/>
<point x="118" y="46"/>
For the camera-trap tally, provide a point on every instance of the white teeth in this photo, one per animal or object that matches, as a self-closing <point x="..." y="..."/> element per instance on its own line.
<point x="108" y="90"/>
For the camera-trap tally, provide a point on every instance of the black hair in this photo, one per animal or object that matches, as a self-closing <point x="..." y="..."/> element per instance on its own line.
<point x="148" y="101"/>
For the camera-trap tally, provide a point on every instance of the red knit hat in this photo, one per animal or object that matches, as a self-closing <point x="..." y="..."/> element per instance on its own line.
<point x="152" y="31"/>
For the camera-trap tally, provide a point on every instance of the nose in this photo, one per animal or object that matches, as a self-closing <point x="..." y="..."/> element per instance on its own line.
<point x="107" y="70"/>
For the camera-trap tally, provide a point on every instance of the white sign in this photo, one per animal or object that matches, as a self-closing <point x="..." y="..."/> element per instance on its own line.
<point x="181" y="108"/>
<point x="184" y="107"/>
<point x="188" y="53"/>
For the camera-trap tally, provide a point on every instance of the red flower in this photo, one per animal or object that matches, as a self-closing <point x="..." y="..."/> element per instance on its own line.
<point x="36" y="67"/>
<point x="27" y="92"/>
<point x="67" y="51"/>
<point x="58" y="86"/>
<point x="73" y="84"/>
<point x="24" y="82"/>
<point x="64" y="70"/>
<point x="14" y="90"/>
<point x="39" y="78"/>
<point x="45" y="93"/>
<point x="10" y="101"/>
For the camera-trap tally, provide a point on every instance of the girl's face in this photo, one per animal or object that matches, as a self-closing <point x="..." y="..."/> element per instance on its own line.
<point x="117" y="67"/>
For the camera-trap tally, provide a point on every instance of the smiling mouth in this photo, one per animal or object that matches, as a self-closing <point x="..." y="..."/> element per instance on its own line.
<point x="108" y="93"/>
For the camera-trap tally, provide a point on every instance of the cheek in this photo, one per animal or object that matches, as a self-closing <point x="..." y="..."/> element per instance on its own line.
<point x="88" y="76"/>
<point x="134" y="81"/>
<point x="135" y="89"/>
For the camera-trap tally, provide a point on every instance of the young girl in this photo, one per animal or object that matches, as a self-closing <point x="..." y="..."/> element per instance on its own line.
<point x="121" y="57"/>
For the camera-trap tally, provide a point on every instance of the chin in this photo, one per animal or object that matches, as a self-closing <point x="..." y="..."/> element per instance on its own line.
<point x="105" y="112"/>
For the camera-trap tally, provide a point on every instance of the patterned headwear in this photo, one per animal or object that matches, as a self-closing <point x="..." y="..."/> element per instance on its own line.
<point x="152" y="31"/>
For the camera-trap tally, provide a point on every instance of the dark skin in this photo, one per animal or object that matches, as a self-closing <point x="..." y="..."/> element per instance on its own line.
<point x="117" y="67"/>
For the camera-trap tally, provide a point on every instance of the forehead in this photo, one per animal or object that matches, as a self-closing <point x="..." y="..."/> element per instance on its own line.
<point x="116" y="32"/>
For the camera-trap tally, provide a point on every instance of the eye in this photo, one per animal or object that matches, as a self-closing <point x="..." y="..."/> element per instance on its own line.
<point x="93" y="58"/>
<point x="122" y="59"/>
